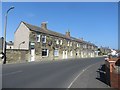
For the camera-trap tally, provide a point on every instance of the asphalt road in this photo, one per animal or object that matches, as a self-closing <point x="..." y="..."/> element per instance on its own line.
<point x="45" y="74"/>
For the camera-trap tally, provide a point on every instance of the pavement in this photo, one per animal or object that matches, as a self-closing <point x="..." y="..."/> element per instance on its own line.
<point x="77" y="73"/>
<point x="92" y="77"/>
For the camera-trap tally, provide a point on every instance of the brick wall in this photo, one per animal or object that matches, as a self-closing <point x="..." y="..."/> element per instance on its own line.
<point x="113" y="73"/>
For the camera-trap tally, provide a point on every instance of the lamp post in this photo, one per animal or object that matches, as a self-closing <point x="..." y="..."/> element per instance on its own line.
<point x="21" y="43"/>
<point x="5" y="27"/>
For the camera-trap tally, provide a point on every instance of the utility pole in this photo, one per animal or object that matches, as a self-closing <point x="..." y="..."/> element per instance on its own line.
<point x="4" y="42"/>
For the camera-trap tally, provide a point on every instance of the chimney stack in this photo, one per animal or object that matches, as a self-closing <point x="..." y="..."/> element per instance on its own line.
<point x="44" y="25"/>
<point x="68" y="34"/>
<point x="81" y="39"/>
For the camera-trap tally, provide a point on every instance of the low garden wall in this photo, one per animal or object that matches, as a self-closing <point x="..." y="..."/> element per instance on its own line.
<point x="17" y="55"/>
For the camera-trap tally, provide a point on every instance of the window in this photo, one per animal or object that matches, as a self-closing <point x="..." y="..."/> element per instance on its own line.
<point x="56" y="52"/>
<point x="38" y="37"/>
<point x="57" y="41"/>
<point x="77" y="53"/>
<point x="44" y="52"/>
<point x="77" y="45"/>
<point x="60" y="42"/>
<point x="43" y="39"/>
<point x="32" y="45"/>
<point x="68" y="43"/>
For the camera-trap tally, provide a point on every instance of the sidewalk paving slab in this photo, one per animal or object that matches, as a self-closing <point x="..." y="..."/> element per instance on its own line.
<point x="91" y="78"/>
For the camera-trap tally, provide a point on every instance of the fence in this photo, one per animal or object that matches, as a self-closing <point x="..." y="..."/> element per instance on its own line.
<point x="112" y="68"/>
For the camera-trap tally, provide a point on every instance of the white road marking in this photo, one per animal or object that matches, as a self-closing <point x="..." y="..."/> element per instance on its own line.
<point x="79" y="75"/>
<point x="11" y="73"/>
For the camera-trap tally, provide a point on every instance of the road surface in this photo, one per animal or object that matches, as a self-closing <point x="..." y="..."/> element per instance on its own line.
<point x="48" y="74"/>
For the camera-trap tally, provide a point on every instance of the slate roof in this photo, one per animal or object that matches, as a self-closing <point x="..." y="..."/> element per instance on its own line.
<point x="9" y="43"/>
<point x="53" y="33"/>
<point x="46" y="31"/>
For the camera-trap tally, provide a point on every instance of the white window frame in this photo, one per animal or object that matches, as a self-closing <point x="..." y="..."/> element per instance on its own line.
<point x="46" y="51"/>
<point x="56" y="52"/>
<point x="68" y="44"/>
<point x="42" y="39"/>
<point x="38" y="36"/>
<point x="77" y="45"/>
<point x="61" y="42"/>
<point x="32" y="45"/>
<point x="57" y="41"/>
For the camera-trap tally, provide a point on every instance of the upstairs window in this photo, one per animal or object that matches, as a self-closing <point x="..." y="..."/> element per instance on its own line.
<point x="68" y="43"/>
<point x="77" y="45"/>
<point x="61" y="42"/>
<point x="43" y="39"/>
<point x="32" y="45"/>
<point x="38" y="37"/>
<point x="57" y="41"/>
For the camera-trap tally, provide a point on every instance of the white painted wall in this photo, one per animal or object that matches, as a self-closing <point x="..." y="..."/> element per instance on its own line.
<point x="9" y="46"/>
<point x="21" y="34"/>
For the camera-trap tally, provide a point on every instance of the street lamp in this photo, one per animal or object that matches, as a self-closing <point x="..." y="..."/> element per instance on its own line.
<point x="21" y="43"/>
<point x="5" y="27"/>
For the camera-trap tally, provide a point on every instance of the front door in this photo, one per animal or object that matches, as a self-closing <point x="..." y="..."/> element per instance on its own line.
<point x="32" y="54"/>
<point x="64" y="54"/>
<point x="81" y="54"/>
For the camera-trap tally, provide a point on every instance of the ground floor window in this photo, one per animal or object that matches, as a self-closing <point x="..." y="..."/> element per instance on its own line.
<point x="56" y="52"/>
<point x="77" y="53"/>
<point x="44" y="52"/>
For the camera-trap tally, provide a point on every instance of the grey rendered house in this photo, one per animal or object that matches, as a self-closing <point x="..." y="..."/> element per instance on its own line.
<point x="43" y="43"/>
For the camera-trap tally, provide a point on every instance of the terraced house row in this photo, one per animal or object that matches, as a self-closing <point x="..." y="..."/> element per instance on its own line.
<point x="43" y="43"/>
